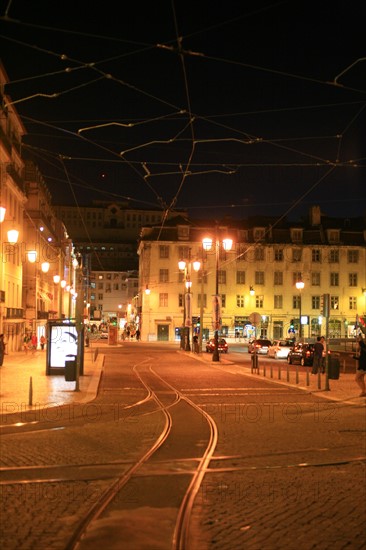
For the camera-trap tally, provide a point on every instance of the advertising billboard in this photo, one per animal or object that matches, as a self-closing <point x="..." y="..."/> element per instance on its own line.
<point x="63" y="345"/>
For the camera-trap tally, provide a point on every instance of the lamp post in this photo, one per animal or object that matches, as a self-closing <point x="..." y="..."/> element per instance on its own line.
<point x="300" y="285"/>
<point x="186" y="267"/>
<point x="227" y="244"/>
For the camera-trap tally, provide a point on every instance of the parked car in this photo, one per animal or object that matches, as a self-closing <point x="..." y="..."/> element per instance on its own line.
<point x="259" y="345"/>
<point x="223" y="346"/>
<point x="302" y="353"/>
<point x="103" y="335"/>
<point x="280" y="349"/>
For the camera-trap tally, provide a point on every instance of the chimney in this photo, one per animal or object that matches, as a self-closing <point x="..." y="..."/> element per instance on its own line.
<point x="315" y="215"/>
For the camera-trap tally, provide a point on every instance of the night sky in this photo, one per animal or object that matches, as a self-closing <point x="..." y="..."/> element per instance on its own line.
<point x="224" y="108"/>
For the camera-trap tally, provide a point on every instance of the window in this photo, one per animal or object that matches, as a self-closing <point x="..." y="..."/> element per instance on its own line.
<point x="296" y="302"/>
<point x="202" y="274"/>
<point x="296" y="235"/>
<point x="277" y="304"/>
<point x="259" y="233"/>
<point x="259" y="302"/>
<point x="315" y="302"/>
<point x="241" y="250"/>
<point x="239" y="300"/>
<point x="180" y="300"/>
<point x="352" y="302"/>
<point x="296" y="276"/>
<point x="163" y="251"/>
<point x="352" y="279"/>
<point x="334" y="256"/>
<point x="352" y="256"/>
<point x="278" y="278"/>
<point x="315" y="278"/>
<point x="278" y="255"/>
<point x="115" y="286"/>
<point x="183" y="252"/>
<point x="223" y="300"/>
<point x="163" y="275"/>
<point x="183" y="232"/>
<point x="100" y="296"/>
<point x="222" y="277"/>
<point x="240" y="277"/>
<point x="334" y="279"/>
<point x="333" y="235"/>
<point x="100" y="286"/>
<point x="163" y="299"/>
<point x="334" y="302"/>
<point x="296" y="254"/>
<point x="259" y="254"/>
<point x="316" y="255"/>
<point x="259" y="278"/>
<point x="204" y="300"/>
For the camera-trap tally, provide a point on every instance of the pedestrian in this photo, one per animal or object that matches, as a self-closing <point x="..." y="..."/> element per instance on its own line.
<point x="34" y="342"/>
<point x="318" y="356"/>
<point x="26" y="343"/>
<point x="42" y="341"/>
<point x="322" y="339"/>
<point x="361" y="367"/>
<point x="2" y="349"/>
<point x="137" y="334"/>
<point x="195" y="344"/>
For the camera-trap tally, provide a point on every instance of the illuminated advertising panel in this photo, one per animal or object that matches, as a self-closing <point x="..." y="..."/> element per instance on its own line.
<point x="63" y="344"/>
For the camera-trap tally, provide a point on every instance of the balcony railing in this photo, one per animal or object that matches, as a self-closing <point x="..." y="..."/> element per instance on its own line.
<point x="13" y="313"/>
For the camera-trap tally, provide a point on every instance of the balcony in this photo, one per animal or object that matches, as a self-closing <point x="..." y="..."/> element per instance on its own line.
<point x="13" y="313"/>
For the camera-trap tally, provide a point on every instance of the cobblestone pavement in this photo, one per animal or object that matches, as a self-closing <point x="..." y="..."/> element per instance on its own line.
<point x="269" y="500"/>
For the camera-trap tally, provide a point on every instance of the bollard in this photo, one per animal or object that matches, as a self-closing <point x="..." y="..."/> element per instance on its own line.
<point x="288" y="373"/>
<point x="264" y="369"/>
<point x="271" y="371"/>
<point x="319" y="380"/>
<point x="30" y="397"/>
<point x="254" y="363"/>
<point x="279" y="371"/>
<point x="297" y="373"/>
<point x="307" y="377"/>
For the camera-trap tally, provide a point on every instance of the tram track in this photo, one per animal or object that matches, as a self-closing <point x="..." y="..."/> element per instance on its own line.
<point x="174" y="465"/>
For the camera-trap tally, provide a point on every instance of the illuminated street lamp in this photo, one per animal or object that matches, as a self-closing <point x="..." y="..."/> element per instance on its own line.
<point x="208" y="244"/>
<point x="186" y="267"/>
<point x="300" y="285"/>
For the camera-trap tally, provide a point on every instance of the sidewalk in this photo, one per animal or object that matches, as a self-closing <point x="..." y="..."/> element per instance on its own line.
<point x="24" y="385"/>
<point x="344" y="389"/>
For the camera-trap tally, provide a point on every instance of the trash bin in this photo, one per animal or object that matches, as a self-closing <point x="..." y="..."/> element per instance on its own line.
<point x="70" y="369"/>
<point x="333" y="368"/>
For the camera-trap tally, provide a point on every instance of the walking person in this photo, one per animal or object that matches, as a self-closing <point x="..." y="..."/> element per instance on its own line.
<point x="2" y="349"/>
<point x="195" y="344"/>
<point x="42" y="341"/>
<point x="26" y="343"/>
<point x="34" y="342"/>
<point x="361" y="367"/>
<point x="318" y="355"/>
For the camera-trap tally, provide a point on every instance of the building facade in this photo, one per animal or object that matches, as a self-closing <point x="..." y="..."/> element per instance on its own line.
<point x="108" y="232"/>
<point x="256" y="279"/>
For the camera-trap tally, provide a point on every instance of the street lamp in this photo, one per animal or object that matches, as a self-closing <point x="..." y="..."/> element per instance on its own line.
<point x="207" y="244"/>
<point x="300" y="285"/>
<point x="186" y="267"/>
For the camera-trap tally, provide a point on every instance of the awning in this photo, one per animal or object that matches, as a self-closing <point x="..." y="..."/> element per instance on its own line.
<point x="46" y="296"/>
